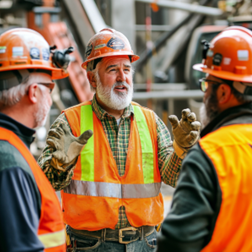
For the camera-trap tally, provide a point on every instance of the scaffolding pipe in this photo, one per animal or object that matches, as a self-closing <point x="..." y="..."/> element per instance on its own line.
<point x="160" y="42"/>
<point x="164" y="95"/>
<point x="193" y="8"/>
<point x="164" y="37"/>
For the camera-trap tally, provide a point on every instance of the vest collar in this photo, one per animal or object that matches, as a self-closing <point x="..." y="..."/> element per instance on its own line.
<point x="226" y="116"/>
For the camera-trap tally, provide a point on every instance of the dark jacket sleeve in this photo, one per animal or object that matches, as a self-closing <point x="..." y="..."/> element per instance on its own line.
<point x="189" y="225"/>
<point x="19" y="212"/>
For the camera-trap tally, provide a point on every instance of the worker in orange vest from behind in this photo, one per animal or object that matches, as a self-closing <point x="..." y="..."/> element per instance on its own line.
<point x="212" y="206"/>
<point x="111" y="191"/>
<point x="30" y="213"/>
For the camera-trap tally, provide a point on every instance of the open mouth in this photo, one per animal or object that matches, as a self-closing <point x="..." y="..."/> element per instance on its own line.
<point x="120" y="89"/>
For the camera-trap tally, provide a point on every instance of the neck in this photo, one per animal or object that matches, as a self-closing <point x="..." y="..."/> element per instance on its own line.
<point x="20" y="113"/>
<point x="116" y="113"/>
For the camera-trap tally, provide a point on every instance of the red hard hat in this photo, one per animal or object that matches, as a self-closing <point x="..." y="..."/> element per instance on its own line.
<point x="108" y="42"/>
<point x="23" y="48"/>
<point x="229" y="55"/>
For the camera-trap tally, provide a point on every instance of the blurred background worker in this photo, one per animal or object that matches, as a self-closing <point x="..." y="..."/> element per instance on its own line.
<point x="30" y="213"/>
<point x="211" y="209"/>
<point x="111" y="191"/>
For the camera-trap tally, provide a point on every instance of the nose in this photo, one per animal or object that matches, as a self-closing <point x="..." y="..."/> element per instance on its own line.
<point x="121" y="76"/>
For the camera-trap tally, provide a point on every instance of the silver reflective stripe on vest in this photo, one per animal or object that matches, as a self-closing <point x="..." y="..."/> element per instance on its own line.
<point x="103" y="189"/>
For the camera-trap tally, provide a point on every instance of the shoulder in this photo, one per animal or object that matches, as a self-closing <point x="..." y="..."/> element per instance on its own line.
<point x="198" y="163"/>
<point x="142" y="107"/>
<point x="15" y="169"/>
<point x="148" y="113"/>
<point x="11" y="157"/>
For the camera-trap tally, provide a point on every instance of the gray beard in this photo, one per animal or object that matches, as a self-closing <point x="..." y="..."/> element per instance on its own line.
<point x="209" y="110"/>
<point x="204" y="119"/>
<point x="42" y="113"/>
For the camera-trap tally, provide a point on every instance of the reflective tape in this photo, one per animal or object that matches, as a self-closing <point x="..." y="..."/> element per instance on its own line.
<point x="146" y="145"/>
<point x="87" y="153"/>
<point x="111" y="190"/>
<point x="53" y="239"/>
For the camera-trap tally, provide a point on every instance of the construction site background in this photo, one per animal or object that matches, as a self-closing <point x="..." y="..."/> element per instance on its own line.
<point x="165" y="34"/>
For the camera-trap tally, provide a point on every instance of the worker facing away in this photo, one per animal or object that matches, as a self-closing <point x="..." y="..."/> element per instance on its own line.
<point x="111" y="189"/>
<point x="30" y="213"/>
<point x="211" y="208"/>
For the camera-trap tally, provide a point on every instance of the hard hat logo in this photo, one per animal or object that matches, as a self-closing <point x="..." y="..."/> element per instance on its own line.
<point x="89" y="50"/>
<point x="100" y="46"/>
<point x="45" y="54"/>
<point x="217" y="59"/>
<point x="107" y="42"/>
<point x="116" y="44"/>
<point x="2" y="49"/>
<point x="17" y="51"/>
<point x="243" y="55"/>
<point x="34" y="53"/>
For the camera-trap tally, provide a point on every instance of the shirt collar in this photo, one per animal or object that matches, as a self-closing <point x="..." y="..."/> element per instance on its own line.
<point x="101" y="113"/>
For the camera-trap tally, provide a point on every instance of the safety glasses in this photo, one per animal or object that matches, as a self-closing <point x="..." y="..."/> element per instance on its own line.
<point x="49" y="85"/>
<point x="204" y="84"/>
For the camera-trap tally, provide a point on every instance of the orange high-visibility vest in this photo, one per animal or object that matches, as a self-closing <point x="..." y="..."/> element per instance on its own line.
<point x="51" y="228"/>
<point x="230" y="150"/>
<point x="96" y="192"/>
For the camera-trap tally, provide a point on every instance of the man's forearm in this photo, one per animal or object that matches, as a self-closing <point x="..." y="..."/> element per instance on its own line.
<point x="170" y="169"/>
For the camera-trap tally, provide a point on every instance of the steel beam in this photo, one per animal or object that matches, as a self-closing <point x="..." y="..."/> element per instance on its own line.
<point x="161" y="86"/>
<point x="193" y="8"/>
<point x="174" y="95"/>
<point x="93" y="14"/>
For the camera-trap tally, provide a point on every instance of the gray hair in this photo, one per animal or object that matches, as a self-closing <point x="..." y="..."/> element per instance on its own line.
<point x="242" y="98"/>
<point x="97" y="77"/>
<point x="13" y="95"/>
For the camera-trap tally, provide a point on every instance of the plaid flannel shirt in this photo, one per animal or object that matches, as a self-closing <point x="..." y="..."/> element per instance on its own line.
<point x="118" y="136"/>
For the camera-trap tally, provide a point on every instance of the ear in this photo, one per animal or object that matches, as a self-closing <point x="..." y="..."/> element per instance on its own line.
<point x="91" y="78"/>
<point x="33" y="93"/>
<point x="224" y="93"/>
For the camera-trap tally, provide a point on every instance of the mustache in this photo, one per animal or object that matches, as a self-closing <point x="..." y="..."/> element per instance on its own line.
<point x="123" y="83"/>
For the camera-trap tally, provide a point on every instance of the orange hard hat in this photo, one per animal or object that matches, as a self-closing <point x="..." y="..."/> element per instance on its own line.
<point x="23" y="48"/>
<point x="108" y="42"/>
<point x="229" y="55"/>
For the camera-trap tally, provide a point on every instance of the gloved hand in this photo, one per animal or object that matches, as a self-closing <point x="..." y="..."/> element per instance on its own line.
<point x="67" y="146"/>
<point x="185" y="132"/>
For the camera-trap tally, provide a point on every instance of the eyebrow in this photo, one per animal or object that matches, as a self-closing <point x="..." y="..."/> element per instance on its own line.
<point x="111" y="66"/>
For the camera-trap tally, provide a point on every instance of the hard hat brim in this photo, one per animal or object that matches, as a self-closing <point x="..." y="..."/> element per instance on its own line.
<point x="134" y="57"/>
<point x="223" y="74"/>
<point x="56" y="73"/>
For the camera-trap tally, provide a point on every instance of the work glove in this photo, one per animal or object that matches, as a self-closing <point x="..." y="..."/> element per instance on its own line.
<point x="67" y="147"/>
<point x="185" y="132"/>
